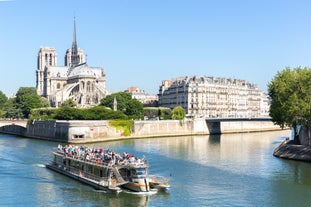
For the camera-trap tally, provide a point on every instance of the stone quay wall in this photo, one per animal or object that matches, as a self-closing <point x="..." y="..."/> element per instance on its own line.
<point x="97" y="131"/>
<point x="202" y="126"/>
<point x="72" y="131"/>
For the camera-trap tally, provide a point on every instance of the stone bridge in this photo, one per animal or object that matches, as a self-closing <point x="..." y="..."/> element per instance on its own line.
<point x="4" y="122"/>
<point x="15" y="127"/>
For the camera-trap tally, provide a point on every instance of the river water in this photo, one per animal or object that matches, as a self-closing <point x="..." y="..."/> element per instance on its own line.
<point x="226" y="170"/>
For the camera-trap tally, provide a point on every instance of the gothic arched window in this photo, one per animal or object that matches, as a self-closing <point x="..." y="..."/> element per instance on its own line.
<point x="82" y="85"/>
<point x="88" y="86"/>
<point x="50" y="59"/>
<point x="46" y="59"/>
<point x="88" y="99"/>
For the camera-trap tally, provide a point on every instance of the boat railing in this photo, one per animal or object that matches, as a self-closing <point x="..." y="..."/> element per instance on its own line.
<point x="86" y="174"/>
<point x="141" y="163"/>
<point x="81" y="159"/>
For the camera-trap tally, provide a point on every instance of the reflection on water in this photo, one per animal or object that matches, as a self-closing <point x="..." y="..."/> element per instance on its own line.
<point x="226" y="170"/>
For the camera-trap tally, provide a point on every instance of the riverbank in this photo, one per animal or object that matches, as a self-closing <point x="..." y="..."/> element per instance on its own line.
<point x="83" y="131"/>
<point x="289" y="150"/>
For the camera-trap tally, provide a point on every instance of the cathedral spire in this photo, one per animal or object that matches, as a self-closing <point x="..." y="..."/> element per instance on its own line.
<point x="74" y="49"/>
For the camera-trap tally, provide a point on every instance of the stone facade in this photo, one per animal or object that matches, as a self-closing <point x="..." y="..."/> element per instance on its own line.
<point x="214" y="97"/>
<point x="142" y="96"/>
<point x="76" y="80"/>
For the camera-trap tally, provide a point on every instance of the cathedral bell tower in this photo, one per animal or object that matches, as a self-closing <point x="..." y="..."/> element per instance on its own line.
<point x="47" y="57"/>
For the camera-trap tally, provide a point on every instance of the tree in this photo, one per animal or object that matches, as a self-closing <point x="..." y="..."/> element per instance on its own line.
<point x="125" y="103"/>
<point x="122" y="99"/>
<point x="11" y="111"/>
<point x="134" y="109"/>
<point x="45" y="102"/>
<point x="3" y="99"/>
<point x="290" y="93"/>
<point x="178" y="113"/>
<point x="68" y="113"/>
<point x="69" y="103"/>
<point x="165" y="113"/>
<point x="27" y="99"/>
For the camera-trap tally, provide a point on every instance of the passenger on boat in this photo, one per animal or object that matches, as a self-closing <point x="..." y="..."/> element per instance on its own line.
<point x="98" y="155"/>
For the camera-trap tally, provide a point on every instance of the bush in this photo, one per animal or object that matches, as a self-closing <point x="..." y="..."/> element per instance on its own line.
<point x="68" y="113"/>
<point x="178" y="113"/>
<point x="125" y="125"/>
<point x="165" y="113"/>
<point x="42" y="114"/>
<point x="161" y="112"/>
<point x="151" y="111"/>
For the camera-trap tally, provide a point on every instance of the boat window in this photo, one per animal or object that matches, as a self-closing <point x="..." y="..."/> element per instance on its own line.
<point x="141" y="172"/>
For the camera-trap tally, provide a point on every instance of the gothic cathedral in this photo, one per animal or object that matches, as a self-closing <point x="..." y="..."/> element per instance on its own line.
<point x="76" y="80"/>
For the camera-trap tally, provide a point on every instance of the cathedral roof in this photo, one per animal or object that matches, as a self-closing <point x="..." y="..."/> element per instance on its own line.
<point x="60" y="72"/>
<point x="83" y="70"/>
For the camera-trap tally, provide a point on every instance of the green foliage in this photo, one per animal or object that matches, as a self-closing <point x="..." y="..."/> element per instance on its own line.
<point x="162" y="112"/>
<point x="134" y="109"/>
<point x="290" y="93"/>
<point x="44" y="114"/>
<point x="178" y="113"/>
<point x="3" y="99"/>
<point x="102" y="113"/>
<point x="130" y="107"/>
<point x="19" y="107"/>
<point x="27" y="99"/>
<point x="68" y="113"/>
<point x="69" y="103"/>
<point x="11" y="110"/>
<point x="122" y="99"/>
<point x="2" y="113"/>
<point x="45" y="102"/>
<point x="93" y="113"/>
<point x="151" y="111"/>
<point x="124" y="125"/>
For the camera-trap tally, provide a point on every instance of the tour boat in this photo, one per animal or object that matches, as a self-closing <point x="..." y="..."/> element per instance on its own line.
<point x="105" y="169"/>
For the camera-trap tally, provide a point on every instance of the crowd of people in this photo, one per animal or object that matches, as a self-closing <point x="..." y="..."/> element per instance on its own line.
<point x="99" y="155"/>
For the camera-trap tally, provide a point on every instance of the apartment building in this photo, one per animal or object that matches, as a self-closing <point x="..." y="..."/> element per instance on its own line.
<point x="214" y="97"/>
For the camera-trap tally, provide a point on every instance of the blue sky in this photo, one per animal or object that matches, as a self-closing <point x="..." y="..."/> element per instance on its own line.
<point x="140" y="43"/>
